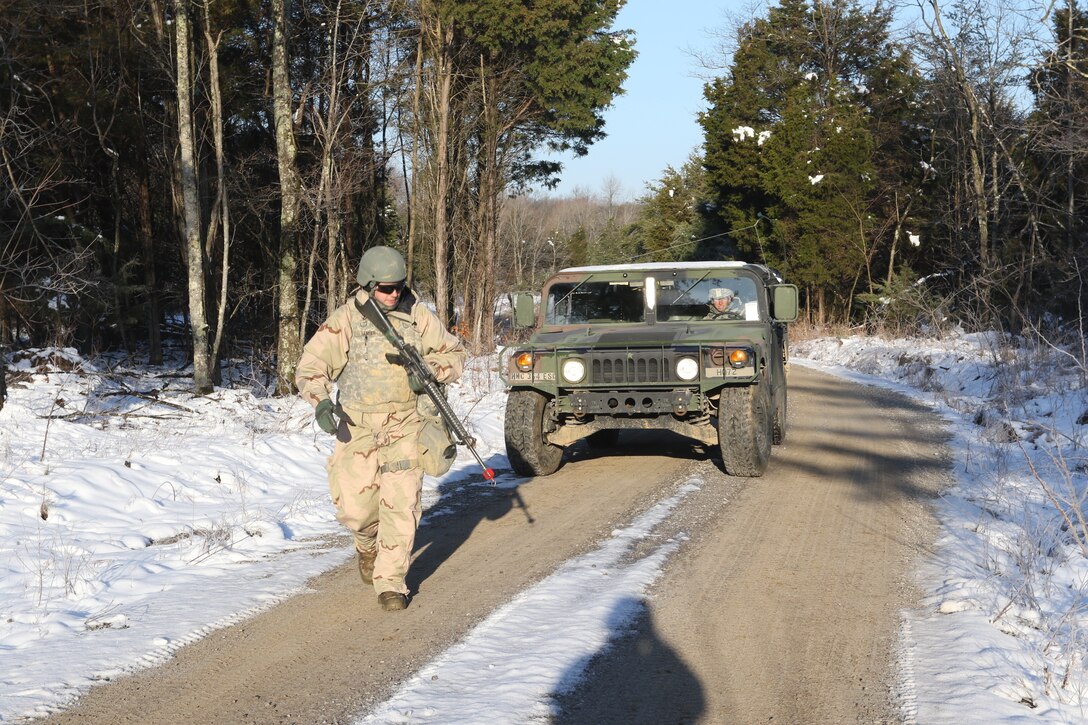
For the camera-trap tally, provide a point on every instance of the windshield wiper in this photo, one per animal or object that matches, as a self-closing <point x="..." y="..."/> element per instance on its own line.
<point x="689" y="289"/>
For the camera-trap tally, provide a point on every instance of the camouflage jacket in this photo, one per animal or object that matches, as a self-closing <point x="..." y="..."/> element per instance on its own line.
<point x="349" y="350"/>
<point x="733" y="312"/>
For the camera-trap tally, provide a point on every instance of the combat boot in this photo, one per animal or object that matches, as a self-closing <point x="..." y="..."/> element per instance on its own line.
<point x="366" y="565"/>
<point x="393" y="601"/>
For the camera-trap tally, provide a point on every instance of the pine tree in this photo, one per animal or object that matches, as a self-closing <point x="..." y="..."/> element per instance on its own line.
<point x="673" y="220"/>
<point x="1060" y="87"/>
<point x="540" y="76"/>
<point x="805" y="144"/>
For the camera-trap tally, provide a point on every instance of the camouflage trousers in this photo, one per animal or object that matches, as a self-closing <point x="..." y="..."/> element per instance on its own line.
<point x="375" y="482"/>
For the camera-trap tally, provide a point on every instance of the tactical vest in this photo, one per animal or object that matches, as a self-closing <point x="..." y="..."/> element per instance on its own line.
<point x="370" y="383"/>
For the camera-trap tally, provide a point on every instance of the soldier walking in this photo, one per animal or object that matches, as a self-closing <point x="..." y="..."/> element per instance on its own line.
<point x="375" y="478"/>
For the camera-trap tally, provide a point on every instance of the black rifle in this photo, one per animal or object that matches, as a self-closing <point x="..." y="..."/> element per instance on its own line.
<point x="410" y="358"/>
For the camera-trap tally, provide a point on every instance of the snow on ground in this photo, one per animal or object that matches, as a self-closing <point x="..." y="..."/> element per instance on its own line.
<point x="136" y="518"/>
<point x="1002" y="636"/>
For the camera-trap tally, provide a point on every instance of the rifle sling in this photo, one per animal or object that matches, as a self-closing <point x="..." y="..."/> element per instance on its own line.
<point x="371" y="312"/>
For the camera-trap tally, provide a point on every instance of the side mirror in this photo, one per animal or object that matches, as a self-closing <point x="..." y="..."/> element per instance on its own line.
<point x="524" y="310"/>
<point x="785" y="302"/>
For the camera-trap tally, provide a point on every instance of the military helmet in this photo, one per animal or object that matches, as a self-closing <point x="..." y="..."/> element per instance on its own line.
<point x="721" y="293"/>
<point x="381" y="264"/>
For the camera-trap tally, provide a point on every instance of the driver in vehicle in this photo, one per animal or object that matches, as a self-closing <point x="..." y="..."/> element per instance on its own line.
<point x="724" y="305"/>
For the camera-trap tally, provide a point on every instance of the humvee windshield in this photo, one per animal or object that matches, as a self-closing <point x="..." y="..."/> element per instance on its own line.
<point x="595" y="302"/>
<point x="690" y="299"/>
<point x="679" y="299"/>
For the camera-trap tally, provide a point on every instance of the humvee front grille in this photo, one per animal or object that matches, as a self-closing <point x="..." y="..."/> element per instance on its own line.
<point x="630" y="367"/>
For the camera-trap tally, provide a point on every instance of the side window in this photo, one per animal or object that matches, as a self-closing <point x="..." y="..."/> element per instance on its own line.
<point x="747" y="299"/>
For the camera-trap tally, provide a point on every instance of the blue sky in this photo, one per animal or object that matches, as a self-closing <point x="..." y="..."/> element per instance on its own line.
<point x="653" y="125"/>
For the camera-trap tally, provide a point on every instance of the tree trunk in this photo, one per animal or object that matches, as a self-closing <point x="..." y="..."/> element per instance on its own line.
<point x="413" y="190"/>
<point x="202" y="374"/>
<point x="483" y="290"/>
<point x="147" y="259"/>
<point x="326" y="195"/>
<point x="171" y="171"/>
<point x="975" y="146"/>
<point x="153" y="310"/>
<point x="444" y="71"/>
<point x="222" y="201"/>
<point x="289" y="334"/>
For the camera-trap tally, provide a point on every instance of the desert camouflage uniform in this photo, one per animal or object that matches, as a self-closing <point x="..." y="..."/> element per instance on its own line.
<point x="375" y="479"/>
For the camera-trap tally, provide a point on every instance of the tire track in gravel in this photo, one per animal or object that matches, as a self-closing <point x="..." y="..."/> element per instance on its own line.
<point x="785" y="606"/>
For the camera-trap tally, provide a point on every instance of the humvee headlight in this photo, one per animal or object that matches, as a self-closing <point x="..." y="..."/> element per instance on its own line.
<point x="523" y="361"/>
<point x="574" y="370"/>
<point x="738" y="358"/>
<point x="687" y="368"/>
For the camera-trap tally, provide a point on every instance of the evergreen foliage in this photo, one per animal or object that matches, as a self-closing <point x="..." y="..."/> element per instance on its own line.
<point x="568" y="62"/>
<point x="1059" y="85"/>
<point x="853" y="162"/>
<point x="806" y="139"/>
<point x="676" y="220"/>
<point x="93" y="251"/>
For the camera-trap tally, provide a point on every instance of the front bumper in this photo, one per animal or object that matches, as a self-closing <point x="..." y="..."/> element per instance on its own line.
<point x="630" y="402"/>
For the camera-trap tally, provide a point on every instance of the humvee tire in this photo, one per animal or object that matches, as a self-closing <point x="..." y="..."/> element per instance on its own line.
<point x="778" y="433"/>
<point x="745" y="430"/>
<point x="529" y="454"/>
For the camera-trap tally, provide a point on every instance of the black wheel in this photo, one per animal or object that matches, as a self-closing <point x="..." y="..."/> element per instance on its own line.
<point x="603" y="439"/>
<point x="529" y="454"/>
<point x="745" y="430"/>
<point x="778" y="427"/>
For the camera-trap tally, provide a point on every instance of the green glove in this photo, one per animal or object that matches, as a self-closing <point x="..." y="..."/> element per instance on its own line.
<point x="325" y="418"/>
<point x="414" y="382"/>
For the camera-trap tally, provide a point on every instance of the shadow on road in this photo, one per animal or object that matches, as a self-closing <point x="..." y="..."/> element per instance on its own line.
<point x="637" y="443"/>
<point x="463" y="503"/>
<point x="638" y="680"/>
<point x="854" y="436"/>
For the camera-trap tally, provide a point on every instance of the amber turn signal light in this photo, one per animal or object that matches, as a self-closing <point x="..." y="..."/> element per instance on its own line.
<point x="524" y="361"/>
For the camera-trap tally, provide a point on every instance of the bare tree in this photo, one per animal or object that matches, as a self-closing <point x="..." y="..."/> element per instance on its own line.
<point x="220" y="219"/>
<point x="202" y="360"/>
<point x="438" y="44"/>
<point x="289" y="329"/>
<point x="1060" y="86"/>
<point x="978" y="89"/>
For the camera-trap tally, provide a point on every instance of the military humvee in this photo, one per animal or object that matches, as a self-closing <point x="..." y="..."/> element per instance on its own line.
<point x="635" y="346"/>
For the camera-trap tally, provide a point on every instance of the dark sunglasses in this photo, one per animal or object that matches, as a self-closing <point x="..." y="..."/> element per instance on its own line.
<point x="388" y="289"/>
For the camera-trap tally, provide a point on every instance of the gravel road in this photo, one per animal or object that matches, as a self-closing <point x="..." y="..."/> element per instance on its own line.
<point x="782" y="606"/>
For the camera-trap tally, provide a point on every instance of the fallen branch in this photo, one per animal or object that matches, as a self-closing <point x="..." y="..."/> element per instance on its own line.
<point x="105" y="413"/>
<point x="149" y="397"/>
